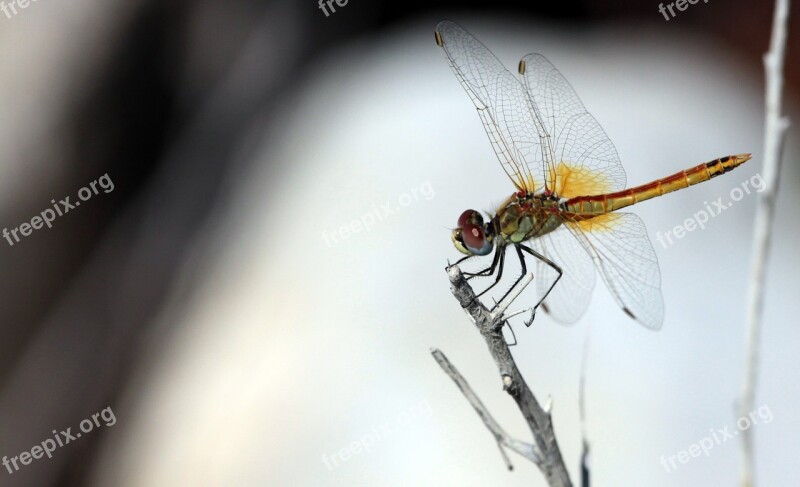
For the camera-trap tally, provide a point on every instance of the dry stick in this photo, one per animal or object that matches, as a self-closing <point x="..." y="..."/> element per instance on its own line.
<point x="585" y="469"/>
<point x="774" y="136"/>
<point x="544" y="452"/>
<point x="501" y="437"/>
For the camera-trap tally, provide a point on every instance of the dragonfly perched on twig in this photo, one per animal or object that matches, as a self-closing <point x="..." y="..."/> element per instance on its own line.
<point x="569" y="185"/>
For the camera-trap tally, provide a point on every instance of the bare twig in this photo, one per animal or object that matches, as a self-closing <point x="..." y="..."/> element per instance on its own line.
<point x="503" y="305"/>
<point x="774" y="136"/>
<point x="585" y="469"/>
<point x="503" y="439"/>
<point x="544" y="452"/>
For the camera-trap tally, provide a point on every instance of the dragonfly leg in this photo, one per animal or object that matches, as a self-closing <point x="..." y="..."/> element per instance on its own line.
<point x="449" y="265"/>
<point x="512" y="334"/>
<point x="501" y="251"/>
<point x="489" y="270"/>
<point x="551" y="264"/>
<point x="522" y="274"/>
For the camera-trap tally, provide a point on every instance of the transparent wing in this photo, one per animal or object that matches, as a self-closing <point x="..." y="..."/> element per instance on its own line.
<point x="578" y="141"/>
<point x="621" y="250"/>
<point x="569" y="299"/>
<point x="502" y="103"/>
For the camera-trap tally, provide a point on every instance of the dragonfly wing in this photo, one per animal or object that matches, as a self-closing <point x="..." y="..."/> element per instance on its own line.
<point x="581" y="147"/>
<point x="621" y="250"/>
<point x="570" y="297"/>
<point x="502" y="103"/>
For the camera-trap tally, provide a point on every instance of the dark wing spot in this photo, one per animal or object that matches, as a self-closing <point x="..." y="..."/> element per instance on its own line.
<point x="629" y="313"/>
<point x="545" y="308"/>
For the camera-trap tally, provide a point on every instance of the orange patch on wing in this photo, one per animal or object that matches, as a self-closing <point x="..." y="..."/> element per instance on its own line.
<point x="531" y="184"/>
<point x="601" y="223"/>
<point x="580" y="181"/>
<point x="524" y="182"/>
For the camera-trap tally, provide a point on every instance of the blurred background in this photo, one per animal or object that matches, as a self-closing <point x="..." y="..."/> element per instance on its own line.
<point x="241" y="339"/>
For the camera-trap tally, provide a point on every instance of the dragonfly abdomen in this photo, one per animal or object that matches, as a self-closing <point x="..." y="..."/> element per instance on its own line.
<point x="589" y="206"/>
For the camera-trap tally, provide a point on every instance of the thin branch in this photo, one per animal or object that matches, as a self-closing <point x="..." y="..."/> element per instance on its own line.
<point x="544" y="452"/>
<point x="774" y="136"/>
<point x="501" y="437"/>
<point x="582" y="384"/>
<point x="585" y="469"/>
<point x="503" y="305"/>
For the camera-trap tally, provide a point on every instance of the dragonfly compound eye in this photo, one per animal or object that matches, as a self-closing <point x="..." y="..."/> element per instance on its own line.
<point x="470" y="216"/>
<point x="475" y="239"/>
<point x="455" y="236"/>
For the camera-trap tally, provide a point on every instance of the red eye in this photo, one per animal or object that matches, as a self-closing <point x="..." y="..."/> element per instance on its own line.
<point x="473" y="236"/>
<point x="470" y="216"/>
<point x="464" y="218"/>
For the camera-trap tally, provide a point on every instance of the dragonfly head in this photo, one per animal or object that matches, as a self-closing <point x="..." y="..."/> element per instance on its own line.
<point x="473" y="236"/>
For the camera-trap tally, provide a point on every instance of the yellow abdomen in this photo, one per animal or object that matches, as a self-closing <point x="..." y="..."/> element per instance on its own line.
<point x="585" y="207"/>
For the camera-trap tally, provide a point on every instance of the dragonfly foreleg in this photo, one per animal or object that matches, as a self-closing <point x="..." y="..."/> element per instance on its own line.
<point x="489" y="270"/>
<point x="501" y="251"/>
<point x="458" y="261"/>
<point x="522" y="274"/>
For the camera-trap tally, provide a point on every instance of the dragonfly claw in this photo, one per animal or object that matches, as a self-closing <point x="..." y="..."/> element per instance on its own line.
<point x="512" y="334"/>
<point x="529" y="322"/>
<point x="519" y="312"/>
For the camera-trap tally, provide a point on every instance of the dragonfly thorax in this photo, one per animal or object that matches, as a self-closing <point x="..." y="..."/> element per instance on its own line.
<point x="525" y="217"/>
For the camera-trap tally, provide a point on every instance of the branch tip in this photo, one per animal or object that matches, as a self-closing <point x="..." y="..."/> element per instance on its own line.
<point x="544" y="451"/>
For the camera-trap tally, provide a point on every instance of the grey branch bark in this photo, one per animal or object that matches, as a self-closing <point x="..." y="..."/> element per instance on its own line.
<point x="544" y="451"/>
<point x="774" y="136"/>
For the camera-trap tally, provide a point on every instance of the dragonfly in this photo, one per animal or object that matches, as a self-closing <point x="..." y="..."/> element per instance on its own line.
<point x="569" y="185"/>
